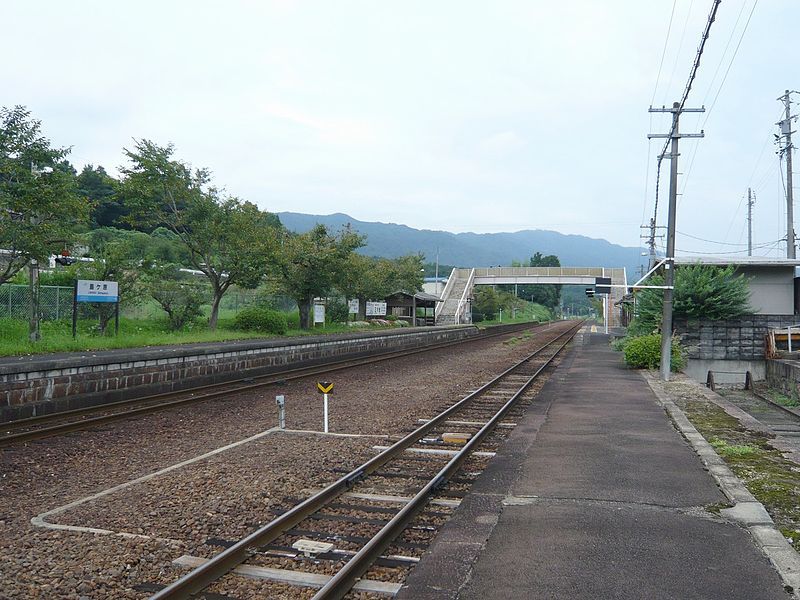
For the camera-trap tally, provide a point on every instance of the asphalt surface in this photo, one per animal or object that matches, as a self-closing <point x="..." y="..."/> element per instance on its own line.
<point x="597" y="496"/>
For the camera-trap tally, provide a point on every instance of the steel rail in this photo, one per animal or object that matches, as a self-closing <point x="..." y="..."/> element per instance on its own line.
<point x="341" y="583"/>
<point x="163" y="402"/>
<point x="787" y="409"/>
<point x="224" y="562"/>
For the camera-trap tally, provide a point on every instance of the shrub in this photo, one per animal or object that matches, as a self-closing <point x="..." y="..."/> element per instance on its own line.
<point x="258" y="318"/>
<point x="336" y="311"/>
<point x="619" y="344"/>
<point x="644" y="352"/>
<point x="701" y="292"/>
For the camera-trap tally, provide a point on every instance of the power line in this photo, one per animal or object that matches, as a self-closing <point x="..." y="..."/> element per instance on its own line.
<point x="721" y="85"/>
<point x="680" y="46"/>
<point x="705" y="252"/>
<point x="694" y="237"/>
<point x="664" y="51"/>
<point x="692" y="74"/>
<point x="730" y="64"/>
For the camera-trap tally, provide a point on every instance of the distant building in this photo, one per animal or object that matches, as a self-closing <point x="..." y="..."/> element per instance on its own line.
<point x="771" y="280"/>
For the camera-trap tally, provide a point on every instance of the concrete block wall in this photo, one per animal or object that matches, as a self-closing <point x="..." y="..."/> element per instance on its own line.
<point x="733" y="339"/>
<point x="784" y="375"/>
<point x="31" y="386"/>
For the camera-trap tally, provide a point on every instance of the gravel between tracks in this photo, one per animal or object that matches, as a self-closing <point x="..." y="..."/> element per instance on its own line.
<point x="224" y="496"/>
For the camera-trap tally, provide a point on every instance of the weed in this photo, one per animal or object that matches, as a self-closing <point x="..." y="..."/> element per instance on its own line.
<point x="771" y="478"/>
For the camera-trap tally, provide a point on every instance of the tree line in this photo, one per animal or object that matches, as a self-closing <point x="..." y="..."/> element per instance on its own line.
<point x="163" y="214"/>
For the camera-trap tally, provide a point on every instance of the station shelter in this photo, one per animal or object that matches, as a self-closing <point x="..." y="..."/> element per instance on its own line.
<point x="416" y="309"/>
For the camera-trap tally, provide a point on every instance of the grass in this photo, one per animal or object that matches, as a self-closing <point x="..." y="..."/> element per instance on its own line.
<point x="133" y="333"/>
<point x="771" y="478"/>
<point x="724" y="449"/>
<point x="56" y="336"/>
<point x="780" y="398"/>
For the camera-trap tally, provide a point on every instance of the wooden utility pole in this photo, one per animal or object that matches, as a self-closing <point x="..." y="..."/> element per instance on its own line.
<point x="669" y="264"/>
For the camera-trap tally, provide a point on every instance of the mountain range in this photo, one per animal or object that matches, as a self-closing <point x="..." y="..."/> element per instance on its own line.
<point x="390" y="240"/>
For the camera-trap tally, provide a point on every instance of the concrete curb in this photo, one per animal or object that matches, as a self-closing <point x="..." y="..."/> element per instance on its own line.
<point x="746" y="511"/>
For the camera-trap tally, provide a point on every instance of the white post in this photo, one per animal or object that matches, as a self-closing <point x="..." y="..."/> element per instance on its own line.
<point x="325" y="411"/>
<point x="281" y="402"/>
<point x="501" y="315"/>
<point x="605" y="312"/>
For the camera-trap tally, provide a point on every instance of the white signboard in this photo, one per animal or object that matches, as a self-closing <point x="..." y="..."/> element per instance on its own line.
<point x="97" y="291"/>
<point x="352" y="306"/>
<point x="319" y="313"/>
<point x="376" y="309"/>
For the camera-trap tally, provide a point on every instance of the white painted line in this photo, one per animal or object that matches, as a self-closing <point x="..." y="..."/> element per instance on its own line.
<point x="313" y="580"/>
<point x="505" y="425"/>
<point x="347" y="435"/>
<point x="39" y="520"/>
<point x="399" y="499"/>
<point x="436" y="451"/>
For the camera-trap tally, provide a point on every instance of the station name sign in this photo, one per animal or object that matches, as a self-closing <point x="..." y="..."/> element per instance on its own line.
<point x="96" y="291"/>
<point x="376" y="309"/>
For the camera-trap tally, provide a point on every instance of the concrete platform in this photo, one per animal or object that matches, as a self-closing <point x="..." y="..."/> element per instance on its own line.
<point x="597" y="496"/>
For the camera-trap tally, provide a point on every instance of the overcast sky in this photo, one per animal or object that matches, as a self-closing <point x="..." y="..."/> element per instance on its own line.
<point x="459" y="116"/>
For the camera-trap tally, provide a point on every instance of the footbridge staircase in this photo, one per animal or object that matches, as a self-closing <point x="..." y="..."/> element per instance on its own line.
<point x="455" y="308"/>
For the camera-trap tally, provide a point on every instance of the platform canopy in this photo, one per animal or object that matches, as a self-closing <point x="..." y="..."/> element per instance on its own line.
<point x="406" y="306"/>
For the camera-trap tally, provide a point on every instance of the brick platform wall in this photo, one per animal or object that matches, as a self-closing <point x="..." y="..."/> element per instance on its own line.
<point x="40" y="385"/>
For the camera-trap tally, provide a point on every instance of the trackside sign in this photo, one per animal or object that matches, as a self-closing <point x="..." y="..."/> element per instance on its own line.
<point x="97" y="291"/>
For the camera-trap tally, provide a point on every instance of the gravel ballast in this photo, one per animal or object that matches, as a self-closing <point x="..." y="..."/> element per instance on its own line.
<point x="223" y="496"/>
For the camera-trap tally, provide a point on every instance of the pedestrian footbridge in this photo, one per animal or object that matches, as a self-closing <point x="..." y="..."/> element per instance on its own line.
<point x="457" y="294"/>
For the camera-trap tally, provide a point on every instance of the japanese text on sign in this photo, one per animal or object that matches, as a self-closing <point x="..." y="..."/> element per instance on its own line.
<point x="97" y="291"/>
<point x="376" y="309"/>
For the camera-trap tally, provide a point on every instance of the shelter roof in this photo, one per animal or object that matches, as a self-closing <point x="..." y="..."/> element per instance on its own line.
<point x="419" y="296"/>
<point x="742" y="261"/>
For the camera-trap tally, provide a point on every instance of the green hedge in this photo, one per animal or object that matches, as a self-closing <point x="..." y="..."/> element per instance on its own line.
<point x="644" y="352"/>
<point x="257" y="318"/>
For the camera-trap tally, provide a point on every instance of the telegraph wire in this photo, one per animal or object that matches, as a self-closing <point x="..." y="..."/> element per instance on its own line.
<point x="653" y="99"/>
<point x="664" y="50"/>
<point x="694" y="237"/>
<point x="730" y="64"/>
<point x="692" y="74"/>
<point x="680" y="47"/>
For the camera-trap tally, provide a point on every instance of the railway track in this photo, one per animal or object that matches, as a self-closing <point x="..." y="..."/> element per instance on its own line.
<point x="365" y="531"/>
<point x="782" y="420"/>
<point x="26" y="430"/>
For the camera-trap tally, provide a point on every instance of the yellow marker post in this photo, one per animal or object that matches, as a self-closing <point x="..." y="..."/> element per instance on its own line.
<point x="325" y="388"/>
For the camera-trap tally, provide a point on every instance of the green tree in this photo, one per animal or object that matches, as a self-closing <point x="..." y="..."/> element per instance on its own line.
<point x="548" y="295"/>
<point x="39" y="206"/>
<point x="229" y="240"/>
<point x="100" y="188"/>
<point x="486" y="303"/>
<point x="367" y="278"/>
<point x="701" y="291"/>
<point x="176" y="293"/>
<point x="312" y="263"/>
<point x="39" y="203"/>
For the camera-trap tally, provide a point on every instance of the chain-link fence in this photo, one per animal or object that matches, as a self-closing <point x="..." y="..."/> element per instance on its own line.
<point x="55" y="302"/>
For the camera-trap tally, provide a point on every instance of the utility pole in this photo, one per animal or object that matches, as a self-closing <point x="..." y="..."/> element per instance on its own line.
<point x="786" y="150"/>
<point x="750" y="202"/>
<point x="651" y="241"/>
<point x="669" y="264"/>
